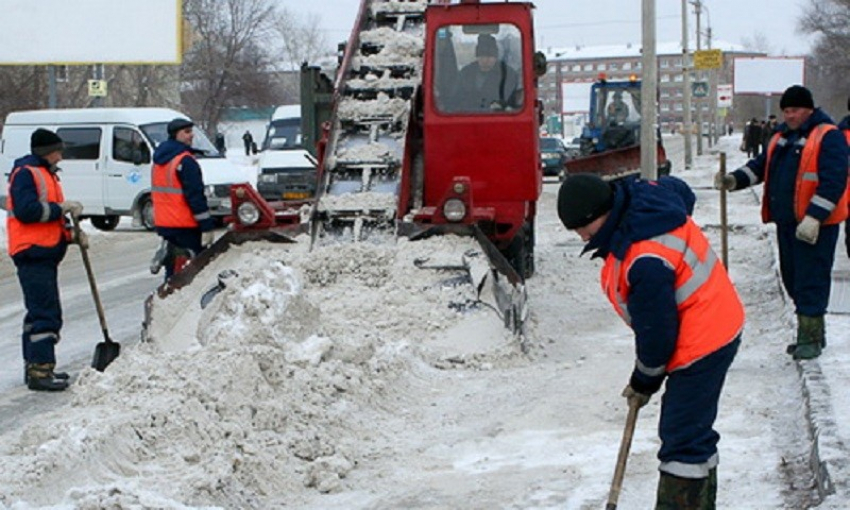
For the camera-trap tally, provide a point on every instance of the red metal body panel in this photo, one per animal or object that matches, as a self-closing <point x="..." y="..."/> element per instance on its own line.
<point x="497" y="153"/>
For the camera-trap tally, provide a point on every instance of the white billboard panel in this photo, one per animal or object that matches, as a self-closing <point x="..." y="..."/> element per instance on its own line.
<point x="90" y="32"/>
<point x="575" y="97"/>
<point x="764" y="75"/>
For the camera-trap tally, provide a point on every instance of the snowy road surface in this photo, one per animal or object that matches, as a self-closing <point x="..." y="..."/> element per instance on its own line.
<point x="339" y="381"/>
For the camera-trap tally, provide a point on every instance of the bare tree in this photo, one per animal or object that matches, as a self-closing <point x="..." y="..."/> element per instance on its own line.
<point x="758" y="43"/>
<point x="225" y="54"/>
<point x="829" y="21"/>
<point x="299" y="42"/>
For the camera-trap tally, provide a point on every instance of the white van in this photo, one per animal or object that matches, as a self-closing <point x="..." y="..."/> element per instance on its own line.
<point x="107" y="164"/>
<point x="287" y="171"/>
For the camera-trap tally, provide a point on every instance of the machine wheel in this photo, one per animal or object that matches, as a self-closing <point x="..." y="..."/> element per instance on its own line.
<point x="665" y="168"/>
<point x="146" y="208"/>
<point x="105" y="223"/>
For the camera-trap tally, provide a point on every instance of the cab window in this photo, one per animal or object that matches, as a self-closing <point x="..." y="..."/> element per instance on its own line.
<point x="80" y="143"/>
<point x="128" y="146"/>
<point x="478" y="69"/>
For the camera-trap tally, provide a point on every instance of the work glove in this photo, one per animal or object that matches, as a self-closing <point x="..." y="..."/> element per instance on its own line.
<point x="634" y="398"/>
<point x="71" y="206"/>
<point x="725" y="181"/>
<point x="81" y="238"/>
<point x="207" y="238"/>
<point x="808" y="230"/>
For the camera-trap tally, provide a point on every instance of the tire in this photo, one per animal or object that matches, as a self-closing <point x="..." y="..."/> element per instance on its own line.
<point x="105" y="223"/>
<point x="146" y="211"/>
<point x="520" y="253"/>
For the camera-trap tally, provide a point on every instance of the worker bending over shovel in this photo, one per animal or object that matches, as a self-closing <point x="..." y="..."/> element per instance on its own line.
<point x="666" y="283"/>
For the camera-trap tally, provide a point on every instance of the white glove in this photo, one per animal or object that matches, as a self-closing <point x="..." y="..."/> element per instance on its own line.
<point x="81" y="238"/>
<point x="725" y="181"/>
<point x="808" y="230"/>
<point x="207" y="238"/>
<point x="71" y="206"/>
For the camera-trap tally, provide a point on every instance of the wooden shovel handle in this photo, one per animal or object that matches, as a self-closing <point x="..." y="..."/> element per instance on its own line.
<point x="622" y="457"/>
<point x="95" y="294"/>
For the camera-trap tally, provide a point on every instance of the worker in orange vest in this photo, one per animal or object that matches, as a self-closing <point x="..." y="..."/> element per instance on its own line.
<point x="181" y="214"/>
<point x="804" y="171"/>
<point x="38" y="237"/>
<point x="844" y="126"/>
<point x="667" y="284"/>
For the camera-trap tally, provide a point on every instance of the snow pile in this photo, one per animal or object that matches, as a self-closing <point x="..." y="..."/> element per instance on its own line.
<point x="273" y="387"/>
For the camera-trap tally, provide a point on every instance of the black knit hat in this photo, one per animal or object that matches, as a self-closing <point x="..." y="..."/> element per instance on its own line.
<point x="44" y="141"/>
<point x="796" y="96"/>
<point x="487" y="46"/>
<point x="582" y="199"/>
<point x="177" y="124"/>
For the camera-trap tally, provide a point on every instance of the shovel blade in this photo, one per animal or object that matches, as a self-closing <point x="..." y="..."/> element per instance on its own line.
<point x="104" y="354"/>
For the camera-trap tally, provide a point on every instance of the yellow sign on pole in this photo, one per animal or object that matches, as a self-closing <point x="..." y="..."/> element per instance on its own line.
<point x="708" y="59"/>
<point x="97" y="88"/>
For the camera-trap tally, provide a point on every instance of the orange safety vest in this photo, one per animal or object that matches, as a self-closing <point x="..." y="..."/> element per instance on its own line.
<point x="47" y="234"/>
<point x="807" y="178"/>
<point x="170" y="208"/>
<point x="710" y="312"/>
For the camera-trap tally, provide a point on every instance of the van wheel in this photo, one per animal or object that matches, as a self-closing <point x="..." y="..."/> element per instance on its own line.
<point x="105" y="223"/>
<point x="146" y="208"/>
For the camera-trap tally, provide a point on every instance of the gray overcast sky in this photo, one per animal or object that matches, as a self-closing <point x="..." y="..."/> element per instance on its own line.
<point x="560" y="23"/>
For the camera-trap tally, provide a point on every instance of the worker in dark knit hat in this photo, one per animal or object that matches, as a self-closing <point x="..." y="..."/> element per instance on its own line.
<point x="805" y="173"/>
<point x="38" y="234"/>
<point x="666" y="283"/>
<point x="487" y="84"/>
<point x="181" y="213"/>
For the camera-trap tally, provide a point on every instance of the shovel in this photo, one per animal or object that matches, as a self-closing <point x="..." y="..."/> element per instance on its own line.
<point x="105" y="352"/>
<point x="625" y="446"/>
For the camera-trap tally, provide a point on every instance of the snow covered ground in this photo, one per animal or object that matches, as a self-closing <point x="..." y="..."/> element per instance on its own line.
<point x="347" y="378"/>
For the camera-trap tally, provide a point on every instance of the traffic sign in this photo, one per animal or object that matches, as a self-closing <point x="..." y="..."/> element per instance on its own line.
<point x="699" y="88"/>
<point x="708" y="59"/>
<point x="724" y="95"/>
<point x="97" y="88"/>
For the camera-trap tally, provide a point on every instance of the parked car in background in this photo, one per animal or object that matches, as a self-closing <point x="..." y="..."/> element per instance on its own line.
<point x="553" y="155"/>
<point x="573" y="148"/>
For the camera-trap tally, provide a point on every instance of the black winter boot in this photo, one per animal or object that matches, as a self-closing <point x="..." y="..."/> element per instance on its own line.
<point x="811" y="338"/>
<point x="40" y="377"/>
<point x="675" y="493"/>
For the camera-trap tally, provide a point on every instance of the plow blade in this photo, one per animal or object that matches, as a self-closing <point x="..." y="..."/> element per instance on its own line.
<point x="496" y="282"/>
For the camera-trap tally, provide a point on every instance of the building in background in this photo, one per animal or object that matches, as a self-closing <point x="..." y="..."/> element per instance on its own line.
<point x="565" y="88"/>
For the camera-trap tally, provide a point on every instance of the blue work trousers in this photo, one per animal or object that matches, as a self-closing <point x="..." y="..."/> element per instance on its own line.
<point x="38" y="272"/>
<point x="807" y="268"/>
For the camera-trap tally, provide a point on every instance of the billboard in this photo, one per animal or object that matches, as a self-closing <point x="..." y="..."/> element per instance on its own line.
<point x="35" y="32"/>
<point x="575" y="97"/>
<point x="766" y="75"/>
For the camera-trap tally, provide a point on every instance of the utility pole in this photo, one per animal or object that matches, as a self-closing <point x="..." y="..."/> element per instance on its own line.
<point x="698" y="6"/>
<point x="649" y="94"/>
<point x="687" y="125"/>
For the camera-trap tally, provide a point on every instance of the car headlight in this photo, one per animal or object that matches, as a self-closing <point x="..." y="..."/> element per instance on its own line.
<point x="209" y="191"/>
<point x="268" y="178"/>
<point x="454" y="209"/>
<point x="248" y="213"/>
<point x="225" y="203"/>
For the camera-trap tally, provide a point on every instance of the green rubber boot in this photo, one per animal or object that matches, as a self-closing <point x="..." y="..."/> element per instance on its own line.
<point x="811" y="338"/>
<point x="675" y="493"/>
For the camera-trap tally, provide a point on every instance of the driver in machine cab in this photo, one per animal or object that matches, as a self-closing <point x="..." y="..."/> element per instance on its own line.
<point x="488" y="84"/>
<point x="618" y="110"/>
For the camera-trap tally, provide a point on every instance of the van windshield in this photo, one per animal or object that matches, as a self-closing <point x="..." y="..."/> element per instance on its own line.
<point x="283" y="134"/>
<point x="158" y="133"/>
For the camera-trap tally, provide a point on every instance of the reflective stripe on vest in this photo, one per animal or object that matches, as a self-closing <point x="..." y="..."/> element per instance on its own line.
<point x="710" y="313"/>
<point x="45" y="233"/>
<point x="170" y="208"/>
<point x="807" y="178"/>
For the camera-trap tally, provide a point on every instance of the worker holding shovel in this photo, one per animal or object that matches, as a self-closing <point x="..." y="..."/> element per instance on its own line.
<point x="664" y="280"/>
<point x="38" y="236"/>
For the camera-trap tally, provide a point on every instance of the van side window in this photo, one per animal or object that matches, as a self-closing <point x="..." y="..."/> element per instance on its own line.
<point x="127" y="145"/>
<point x="80" y="143"/>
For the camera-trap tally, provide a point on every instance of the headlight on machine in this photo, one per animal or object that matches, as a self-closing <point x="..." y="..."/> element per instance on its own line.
<point x="454" y="209"/>
<point x="268" y="178"/>
<point x="248" y="213"/>
<point x="209" y="191"/>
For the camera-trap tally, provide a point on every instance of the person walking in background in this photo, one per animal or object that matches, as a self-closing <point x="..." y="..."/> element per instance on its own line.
<point x="804" y="172"/>
<point x="663" y="279"/>
<point x="181" y="214"/>
<point x="753" y="138"/>
<point x="38" y="235"/>
<point x="219" y="144"/>
<point x="248" y="140"/>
